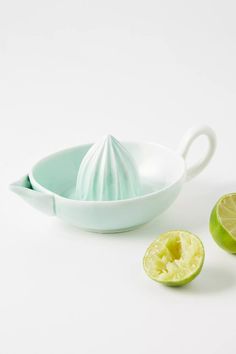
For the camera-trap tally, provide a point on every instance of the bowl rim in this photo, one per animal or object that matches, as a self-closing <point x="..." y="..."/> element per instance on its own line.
<point x="42" y="189"/>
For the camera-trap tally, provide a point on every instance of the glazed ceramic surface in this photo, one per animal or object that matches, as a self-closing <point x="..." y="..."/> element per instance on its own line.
<point x="51" y="184"/>
<point x="107" y="172"/>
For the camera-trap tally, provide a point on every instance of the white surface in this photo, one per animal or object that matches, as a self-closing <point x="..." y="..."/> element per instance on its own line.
<point x="70" y="72"/>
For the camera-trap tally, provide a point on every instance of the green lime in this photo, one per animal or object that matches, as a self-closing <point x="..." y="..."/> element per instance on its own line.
<point x="223" y="222"/>
<point x="175" y="258"/>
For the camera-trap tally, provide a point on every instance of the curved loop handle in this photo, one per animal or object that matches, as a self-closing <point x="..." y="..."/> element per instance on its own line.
<point x="185" y="146"/>
<point x="41" y="201"/>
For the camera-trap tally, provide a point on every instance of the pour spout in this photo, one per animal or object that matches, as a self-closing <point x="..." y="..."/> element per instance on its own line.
<point x="39" y="200"/>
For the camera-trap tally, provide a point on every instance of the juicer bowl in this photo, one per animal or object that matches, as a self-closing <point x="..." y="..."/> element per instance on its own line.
<point x="50" y="185"/>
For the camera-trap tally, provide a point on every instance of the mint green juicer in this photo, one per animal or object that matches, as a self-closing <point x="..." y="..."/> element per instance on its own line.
<point x="111" y="186"/>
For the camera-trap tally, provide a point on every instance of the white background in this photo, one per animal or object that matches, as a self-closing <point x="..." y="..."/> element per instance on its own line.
<point x="70" y="72"/>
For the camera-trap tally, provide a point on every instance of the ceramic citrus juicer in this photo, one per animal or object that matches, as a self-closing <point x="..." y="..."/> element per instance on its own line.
<point x="112" y="187"/>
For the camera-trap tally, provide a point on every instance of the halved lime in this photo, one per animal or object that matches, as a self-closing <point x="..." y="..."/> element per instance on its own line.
<point x="175" y="258"/>
<point x="223" y="222"/>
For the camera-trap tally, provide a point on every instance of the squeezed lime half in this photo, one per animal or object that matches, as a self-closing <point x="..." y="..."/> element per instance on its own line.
<point x="223" y="222"/>
<point x="175" y="258"/>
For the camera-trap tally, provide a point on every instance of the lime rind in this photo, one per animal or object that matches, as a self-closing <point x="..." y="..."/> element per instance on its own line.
<point x="175" y="258"/>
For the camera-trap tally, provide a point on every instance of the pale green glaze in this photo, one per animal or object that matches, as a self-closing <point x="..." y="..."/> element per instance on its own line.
<point x="107" y="172"/>
<point x="51" y="185"/>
